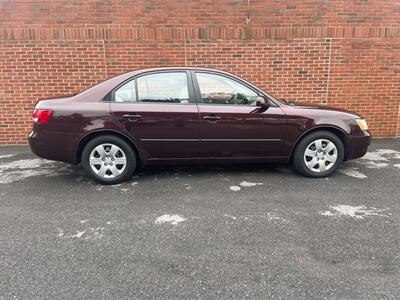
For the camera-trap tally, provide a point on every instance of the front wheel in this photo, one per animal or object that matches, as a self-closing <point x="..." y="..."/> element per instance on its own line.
<point x="108" y="159"/>
<point x="318" y="154"/>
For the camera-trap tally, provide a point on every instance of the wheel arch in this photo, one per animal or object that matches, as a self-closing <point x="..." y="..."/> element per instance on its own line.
<point x="339" y="132"/>
<point x="89" y="136"/>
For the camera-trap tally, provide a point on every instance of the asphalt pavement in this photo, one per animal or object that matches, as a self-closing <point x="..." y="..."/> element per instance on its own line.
<point x="217" y="231"/>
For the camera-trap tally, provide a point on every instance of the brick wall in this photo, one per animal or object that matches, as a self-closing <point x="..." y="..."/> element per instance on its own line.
<point x="339" y="53"/>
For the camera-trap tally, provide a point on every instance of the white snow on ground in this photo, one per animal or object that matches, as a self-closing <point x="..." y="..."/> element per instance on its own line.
<point x="352" y="172"/>
<point x="374" y="165"/>
<point x="235" y="188"/>
<point x="6" y="155"/>
<point x="272" y="216"/>
<point x="389" y="152"/>
<point x="357" y="212"/>
<point x="381" y="158"/>
<point x="231" y="217"/>
<point x="89" y="233"/>
<point x="172" y="219"/>
<point x="378" y="159"/>
<point x="249" y="184"/>
<point x="381" y="155"/>
<point x="269" y="216"/>
<point x="24" y="168"/>
<point x="375" y="156"/>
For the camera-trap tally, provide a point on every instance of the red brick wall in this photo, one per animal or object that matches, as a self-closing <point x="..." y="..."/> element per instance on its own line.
<point x="340" y="53"/>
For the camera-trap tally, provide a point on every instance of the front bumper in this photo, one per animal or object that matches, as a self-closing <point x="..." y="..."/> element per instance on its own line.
<point x="57" y="146"/>
<point x="358" y="145"/>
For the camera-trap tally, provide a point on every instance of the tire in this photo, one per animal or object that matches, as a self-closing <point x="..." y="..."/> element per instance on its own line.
<point x="318" y="161"/>
<point x="108" y="159"/>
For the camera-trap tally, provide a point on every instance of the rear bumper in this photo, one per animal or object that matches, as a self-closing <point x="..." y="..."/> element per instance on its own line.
<point x="57" y="146"/>
<point x="358" y="145"/>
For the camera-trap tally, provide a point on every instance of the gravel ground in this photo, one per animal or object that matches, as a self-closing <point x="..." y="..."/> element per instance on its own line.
<point x="245" y="231"/>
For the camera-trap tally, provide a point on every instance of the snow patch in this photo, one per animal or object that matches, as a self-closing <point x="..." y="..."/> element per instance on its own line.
<point x="268" y="216"/>
<point x="24" y="168"/>
<point x="272" y="216"/>
<point x="6" y="155"/>
<point x="397" y="165"/>
<point x="78" y="234"/>
<point x="375" y="156"/>
<point x="357" y="212"/>
<point x="352" y="172"/>
<point x="389" y="152"/>
<point x="250" y="184"/>
<point x="327" y="213"/>
<point x="235" y="188"/>
<point x="382" y="155"/>
<point x="231" y="217"/>
<point x="173" y="219"/>
<point x="89" y="233"/>
<point x="375" y="165"/>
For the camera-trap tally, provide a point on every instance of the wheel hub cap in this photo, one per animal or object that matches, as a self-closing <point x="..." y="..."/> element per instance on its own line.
<point x="107" y="160"/>
<point x="320" y="155"/>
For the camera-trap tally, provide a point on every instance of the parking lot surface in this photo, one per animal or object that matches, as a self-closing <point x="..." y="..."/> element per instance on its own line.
<point x="243" y="231"/>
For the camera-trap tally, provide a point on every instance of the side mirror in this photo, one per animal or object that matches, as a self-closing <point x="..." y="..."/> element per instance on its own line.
<point x="262" y="102"/>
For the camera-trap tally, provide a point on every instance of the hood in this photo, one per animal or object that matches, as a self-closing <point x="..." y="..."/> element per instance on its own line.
<point x="305" y="106"/>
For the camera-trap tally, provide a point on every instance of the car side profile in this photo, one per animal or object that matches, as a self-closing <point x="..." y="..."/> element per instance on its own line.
<point x="184" y="114"/>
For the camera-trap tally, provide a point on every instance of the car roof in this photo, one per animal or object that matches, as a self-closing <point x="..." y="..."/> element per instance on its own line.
<point x="139" y="71"/>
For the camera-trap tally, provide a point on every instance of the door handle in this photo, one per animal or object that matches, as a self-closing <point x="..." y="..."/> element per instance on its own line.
<point x="132" y="116"/>
<point x="211" y="118"/>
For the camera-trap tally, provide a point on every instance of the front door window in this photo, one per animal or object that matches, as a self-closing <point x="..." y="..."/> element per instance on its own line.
<point x="217" y="89"/>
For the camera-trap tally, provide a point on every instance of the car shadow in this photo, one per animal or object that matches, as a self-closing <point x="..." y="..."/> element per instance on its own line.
<point x="175" y="170"/>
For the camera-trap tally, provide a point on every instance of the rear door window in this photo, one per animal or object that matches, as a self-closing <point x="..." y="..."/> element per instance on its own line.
<point x="163" y="87"/>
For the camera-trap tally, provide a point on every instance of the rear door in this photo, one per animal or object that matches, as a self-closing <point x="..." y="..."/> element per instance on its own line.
<point x="159" y="112"/>
<point x="231" y="125"/>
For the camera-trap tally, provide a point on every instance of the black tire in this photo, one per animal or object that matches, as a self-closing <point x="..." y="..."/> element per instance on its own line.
<point x="131" y="160"/>
<point x="298" y="155"/>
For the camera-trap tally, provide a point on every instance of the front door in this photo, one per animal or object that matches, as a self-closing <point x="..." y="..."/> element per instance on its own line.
<point x="158" y="110"/>
<point x="231" y="125"/>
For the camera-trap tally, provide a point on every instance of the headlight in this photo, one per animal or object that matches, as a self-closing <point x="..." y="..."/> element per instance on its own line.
<point x="362" y="124"/>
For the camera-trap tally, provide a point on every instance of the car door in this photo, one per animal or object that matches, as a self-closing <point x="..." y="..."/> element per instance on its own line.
<point x="159" y="112"/>
<point x="231" y="125"/>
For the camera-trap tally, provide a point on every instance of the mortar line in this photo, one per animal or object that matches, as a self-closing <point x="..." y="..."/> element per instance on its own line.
<point x="184" y="47"/>
<point x="329" y="72"/>
<point x="105" y="57"/>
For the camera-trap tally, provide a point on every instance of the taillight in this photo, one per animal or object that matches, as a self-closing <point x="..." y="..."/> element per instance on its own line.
<point x="41" y="115"/>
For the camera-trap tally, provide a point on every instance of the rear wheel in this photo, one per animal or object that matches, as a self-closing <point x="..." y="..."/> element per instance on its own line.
<point x="318" y="154"/>
<point x="108" y="159"/>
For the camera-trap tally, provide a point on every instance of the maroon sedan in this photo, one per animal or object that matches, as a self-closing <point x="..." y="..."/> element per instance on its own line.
<point x="190" y="115"/>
